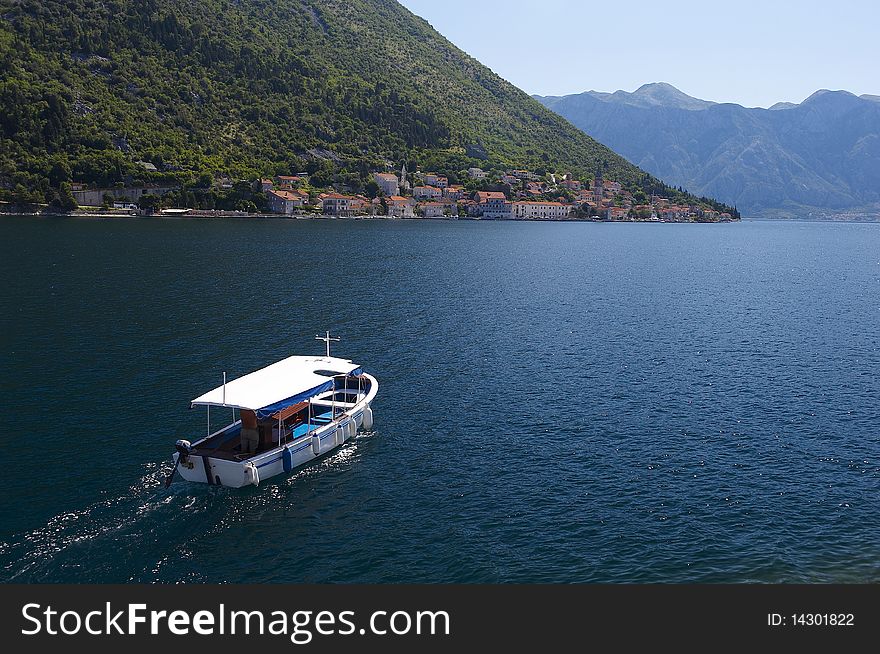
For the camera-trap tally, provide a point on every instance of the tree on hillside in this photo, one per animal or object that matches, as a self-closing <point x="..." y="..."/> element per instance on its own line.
<point x="371" y="189"/>
<point x="63" y="198"/>
<point x="150" y="202"/>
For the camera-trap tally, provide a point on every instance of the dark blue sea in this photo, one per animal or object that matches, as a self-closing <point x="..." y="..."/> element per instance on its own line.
<point x="558" y="402"/>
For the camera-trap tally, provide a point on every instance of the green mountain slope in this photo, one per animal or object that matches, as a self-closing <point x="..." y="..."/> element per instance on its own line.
<point x="257" y="87"/>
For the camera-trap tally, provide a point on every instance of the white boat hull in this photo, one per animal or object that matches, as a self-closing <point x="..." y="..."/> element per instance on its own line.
<point x="283" y="459"/>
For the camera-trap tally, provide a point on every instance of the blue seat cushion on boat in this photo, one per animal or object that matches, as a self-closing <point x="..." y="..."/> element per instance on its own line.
<point x="299" y="430"/>
<point x="328" y="415"/>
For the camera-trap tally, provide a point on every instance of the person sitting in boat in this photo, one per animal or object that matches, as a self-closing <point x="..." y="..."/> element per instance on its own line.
<point x="250" y="436"/>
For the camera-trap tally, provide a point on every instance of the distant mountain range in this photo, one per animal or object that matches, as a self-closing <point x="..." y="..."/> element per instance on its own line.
<point x="820" y="157"/>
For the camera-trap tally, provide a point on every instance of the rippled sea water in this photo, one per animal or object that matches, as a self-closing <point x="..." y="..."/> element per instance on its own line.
<point x="558" y="402"/>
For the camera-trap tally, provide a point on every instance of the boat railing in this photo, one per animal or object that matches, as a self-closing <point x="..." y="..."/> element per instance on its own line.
<point x="220" y="431"/>
<point x="325" y="400"/>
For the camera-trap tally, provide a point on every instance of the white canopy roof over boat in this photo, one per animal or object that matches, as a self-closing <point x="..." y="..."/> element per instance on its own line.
<point x="286" y="382"/>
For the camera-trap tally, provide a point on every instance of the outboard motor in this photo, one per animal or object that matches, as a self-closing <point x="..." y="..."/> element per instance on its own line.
<point x="183" y="447"/>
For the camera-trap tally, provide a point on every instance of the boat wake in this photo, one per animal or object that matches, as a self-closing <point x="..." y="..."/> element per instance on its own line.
<point x="148" y="533"/>
<point x="34" y="556"/>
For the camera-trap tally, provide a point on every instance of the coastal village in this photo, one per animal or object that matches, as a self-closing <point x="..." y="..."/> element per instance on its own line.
<point x="523" y="195"/>
<point x="516" y="195"/>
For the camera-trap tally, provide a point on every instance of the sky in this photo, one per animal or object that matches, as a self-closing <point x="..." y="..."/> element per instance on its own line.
<point x="750" y="52"/>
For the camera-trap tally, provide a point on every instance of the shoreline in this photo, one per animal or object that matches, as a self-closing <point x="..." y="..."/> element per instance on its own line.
<point x="197" y="215"/>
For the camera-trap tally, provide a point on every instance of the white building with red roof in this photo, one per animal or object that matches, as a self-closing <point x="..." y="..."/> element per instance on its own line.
<point x="432" y="209"/>
<point x="289" y="181"/>
<point x="433" y="179"/>
<point x="431" y="192"/>
<point x="388" y="182"/>
<point x="399" y="206"/>
<point x="335" y="204"/>
<point x="540" y="210"/>
<point x="485" y="196"/>
<point x="454" y="192"/>
<point x="286" y="202"/>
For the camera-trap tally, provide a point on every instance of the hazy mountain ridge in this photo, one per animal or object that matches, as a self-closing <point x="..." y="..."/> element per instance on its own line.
<point x="822" y="155"/>
<point x="658" y="94"/>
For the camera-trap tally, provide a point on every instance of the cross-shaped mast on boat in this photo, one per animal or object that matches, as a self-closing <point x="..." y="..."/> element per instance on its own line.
<point x="327" y="339"/>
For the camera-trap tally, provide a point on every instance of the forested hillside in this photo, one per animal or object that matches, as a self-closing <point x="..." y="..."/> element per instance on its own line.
<point x="245" y="88"/>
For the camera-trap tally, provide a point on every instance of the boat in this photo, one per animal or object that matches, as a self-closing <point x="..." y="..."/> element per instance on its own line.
<point x="288" y="414"/>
